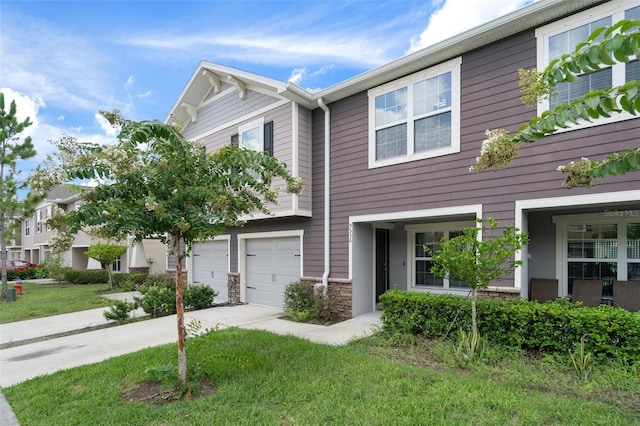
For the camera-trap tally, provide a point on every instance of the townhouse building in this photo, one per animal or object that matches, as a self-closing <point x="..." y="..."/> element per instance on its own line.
<point x="386" y="156"/>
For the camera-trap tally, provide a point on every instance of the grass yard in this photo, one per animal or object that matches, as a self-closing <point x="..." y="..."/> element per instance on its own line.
<point x="259" y="378"/>
<point x="43" y="300"/>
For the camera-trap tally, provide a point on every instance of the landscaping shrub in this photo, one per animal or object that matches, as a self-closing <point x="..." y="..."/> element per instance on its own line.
<point x="51" y="267"/>
<point x="76" y="276"/>
<point x="551" y="327"/>
<point x="119" y="311"/>
<point x="299" y="301"/>
<point x="27" y="274"/>
<point x="128" y="281"/>
<point x="159" y="279"/>
<point x="198" y="296"/>
<point x="158" y="301"/>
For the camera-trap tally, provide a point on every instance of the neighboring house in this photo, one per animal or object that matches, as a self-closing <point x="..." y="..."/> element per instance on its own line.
<point x="386" y="158"/>
<point x="36" y="236"/>
<point x="15" y="244"/>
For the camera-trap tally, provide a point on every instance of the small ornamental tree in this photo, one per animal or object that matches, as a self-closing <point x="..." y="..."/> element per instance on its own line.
<point x="106" y="254"/>
<point x="158" y="184"/>
<point x="479" y="261"/>
<point x="606" y="46"/>
<point x="12" y="207"/>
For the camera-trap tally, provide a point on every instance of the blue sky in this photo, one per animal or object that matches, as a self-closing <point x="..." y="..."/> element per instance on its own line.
<point x="62" y="61"/>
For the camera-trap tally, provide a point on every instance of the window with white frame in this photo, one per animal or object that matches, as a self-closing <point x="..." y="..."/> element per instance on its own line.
<point x="416" y="117"/>
<point x="562" y="36"/>
<point x="48" y="216"/>
<point x="117" y="265"/>
<point x="38" y="221"/>
<point x="601" y="248"/>
<point x="27" y="227"/>
<point x="429" y="236"/>
<point x="251" y="135"/>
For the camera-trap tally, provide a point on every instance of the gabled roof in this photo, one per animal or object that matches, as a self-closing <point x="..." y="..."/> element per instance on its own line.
<point x="528" y="17"/>
<point x="65" y="193"/>
<point x="210" y="76"/>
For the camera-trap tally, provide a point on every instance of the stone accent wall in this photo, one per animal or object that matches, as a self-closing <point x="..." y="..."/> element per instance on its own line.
<point x="140" y="270"/>
<point x="233" y="288"/>
<point x="499" y="293"/>
<point x="340" y="296"/>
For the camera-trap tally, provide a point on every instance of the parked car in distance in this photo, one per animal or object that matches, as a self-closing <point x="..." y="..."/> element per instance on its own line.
<point x="19" y="265"/>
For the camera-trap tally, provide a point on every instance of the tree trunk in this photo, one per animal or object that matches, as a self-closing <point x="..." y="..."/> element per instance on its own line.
<point x="109" y="275"/>
<point x="3" y="258"/>
<point x="474" y="319"/>
<point x="182" y="351"/>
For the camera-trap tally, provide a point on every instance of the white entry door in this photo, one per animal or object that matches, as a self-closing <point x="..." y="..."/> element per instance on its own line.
<point x="211" y="265"/>
<point x="271" y="264"/>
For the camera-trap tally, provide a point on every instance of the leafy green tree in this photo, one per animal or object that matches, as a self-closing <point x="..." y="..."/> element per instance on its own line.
<point x="619" y="43"/>
<point x="106" y="254"/>
<point x="478" y="261"/>
<point x="12" y="207"/>
<point x="160" y="185"/>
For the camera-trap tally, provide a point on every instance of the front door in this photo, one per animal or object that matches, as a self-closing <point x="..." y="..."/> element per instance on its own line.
<point x="382" y="262"/>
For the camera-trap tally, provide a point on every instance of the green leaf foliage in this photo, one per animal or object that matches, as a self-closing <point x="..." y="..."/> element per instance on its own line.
<point x="12" y="151"/>
<point x="552" y="327"/>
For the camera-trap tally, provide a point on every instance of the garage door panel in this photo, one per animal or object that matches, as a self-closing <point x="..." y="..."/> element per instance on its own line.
<point x="271" y="264"/>
<point x="210" y="266"/>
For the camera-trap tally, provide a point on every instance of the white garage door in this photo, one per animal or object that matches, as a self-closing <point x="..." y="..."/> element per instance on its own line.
<point x="210" y="267"/>
<point x="271" y="264"/>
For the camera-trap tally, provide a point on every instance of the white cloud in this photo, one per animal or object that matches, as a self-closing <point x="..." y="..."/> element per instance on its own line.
<point x="265" y="46"/>
<point x="50" y="62"/>
<point x="448" y="21"/>
<point x="108" y="129"/>
<point x="129" y="83"/>
<point x="297" y="75"/>
<point x="61" y="118"/>
<point x="26" y="107"/>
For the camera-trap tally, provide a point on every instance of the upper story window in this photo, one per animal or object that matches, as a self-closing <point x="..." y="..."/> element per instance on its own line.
<point x="48" y="217"/>
<point x="256" y="135"/>
<point x="27" y="227"/>
<point x="416" y="117"/>
<point x="38" y="221"/>
<point x="562" y="36"/>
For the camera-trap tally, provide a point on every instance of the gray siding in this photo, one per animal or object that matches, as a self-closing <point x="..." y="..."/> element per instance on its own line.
<point x="304" y="157"/>
<point x="490" y="98"/>
<point x="226" y="107"/>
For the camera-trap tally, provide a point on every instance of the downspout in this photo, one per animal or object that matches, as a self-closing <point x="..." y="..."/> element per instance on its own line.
<point x="327" y="194"/>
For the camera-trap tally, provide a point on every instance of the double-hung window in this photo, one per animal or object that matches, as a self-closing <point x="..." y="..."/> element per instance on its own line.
<point x="27" y="228"/>
<point x="38" y="221"/>
<point x="561" y="37"/>
<point x="421" y="260"/>
<point x="415" y="117"/>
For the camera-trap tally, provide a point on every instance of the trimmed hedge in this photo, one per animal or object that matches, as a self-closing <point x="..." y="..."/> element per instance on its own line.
<point x="27" y="274"/>
<point x="550" y="327"/>
<point x="76" y="276"/>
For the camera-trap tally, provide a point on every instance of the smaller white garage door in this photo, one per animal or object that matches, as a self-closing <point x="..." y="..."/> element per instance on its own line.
<point x="211" y="265"/>
<point x="271" y="264"/>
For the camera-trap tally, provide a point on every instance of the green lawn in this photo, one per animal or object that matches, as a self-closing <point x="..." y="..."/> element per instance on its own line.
<point x="261" y="378"/>
<point x="43" y="300"/>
